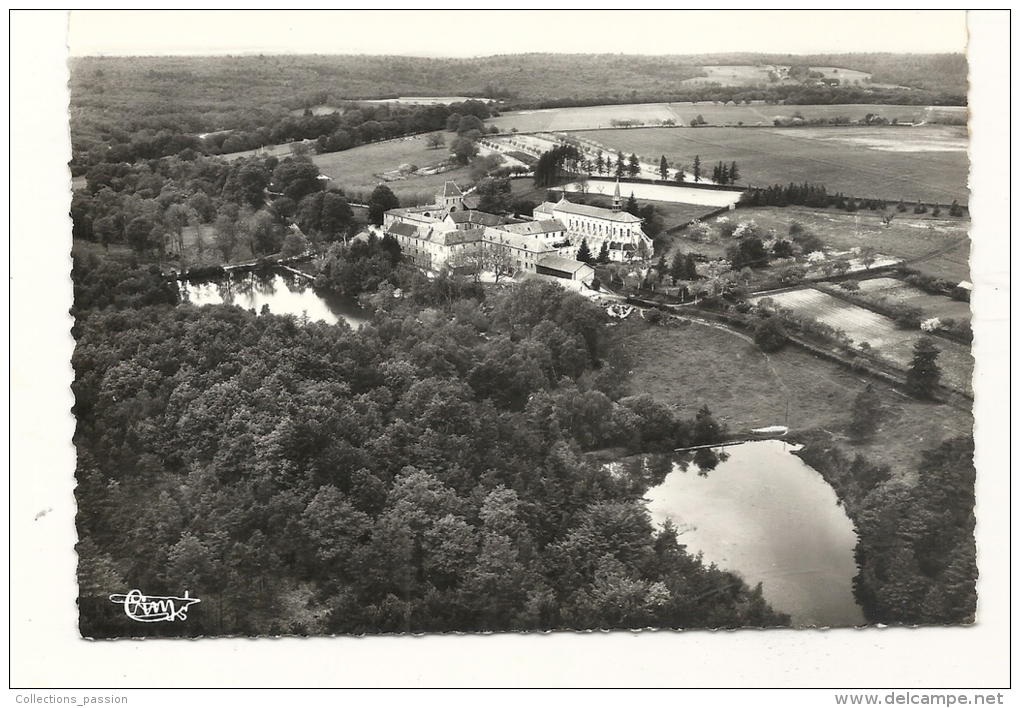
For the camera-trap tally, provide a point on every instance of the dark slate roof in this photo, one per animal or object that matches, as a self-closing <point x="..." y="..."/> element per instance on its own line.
<point x="450" y="189"/>
<point x="480" y="217"/>
<point x="566" y="265"/>
<point x="531" y="228"/>
<point x="458" y="236"/>
<point x="402" y="229"/>
<point x="596" y="212"/>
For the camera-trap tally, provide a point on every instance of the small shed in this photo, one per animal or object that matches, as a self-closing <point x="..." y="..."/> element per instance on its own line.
<point x="565" y="268"/>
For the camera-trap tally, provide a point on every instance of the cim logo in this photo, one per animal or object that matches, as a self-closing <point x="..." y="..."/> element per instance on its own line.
<point x="154" y="608"/>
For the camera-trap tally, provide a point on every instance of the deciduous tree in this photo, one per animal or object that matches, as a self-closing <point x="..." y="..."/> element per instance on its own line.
<point x="382" y="200"/>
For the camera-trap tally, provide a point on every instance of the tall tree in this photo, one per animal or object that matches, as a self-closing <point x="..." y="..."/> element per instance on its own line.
<point x="734" y="173"/>
<point x="632" y="206"/>
<point x="600" y="163"/>
<point x="663" y="168"/>
<point x="297" y="177"/>
<point x="924" y="373"/>
<point x="382" y="200"/>
<point x="633" y="165"/>
<point x="603" y="257"/>
<point x="583" y="252"/>
<point x="676" y="267"/>
<point x="620" y="165"/>
<point x="463" y="149"/>
<point x="697" y="168"/>
<point x="690" y="267"/>
<point x="865" y="412"/>
<point x="226" y="235"/>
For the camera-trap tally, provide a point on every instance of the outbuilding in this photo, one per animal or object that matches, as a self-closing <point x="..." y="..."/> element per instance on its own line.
<point x="565" y="268"/>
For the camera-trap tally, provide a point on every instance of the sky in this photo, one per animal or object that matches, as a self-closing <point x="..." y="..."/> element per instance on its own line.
<point x="461" y="33"/>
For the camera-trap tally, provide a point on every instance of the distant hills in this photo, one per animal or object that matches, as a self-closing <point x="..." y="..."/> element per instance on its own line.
<point x="516" y="78"/>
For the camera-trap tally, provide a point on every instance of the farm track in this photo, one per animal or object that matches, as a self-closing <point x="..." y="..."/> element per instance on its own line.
<point x="938" y="252"/>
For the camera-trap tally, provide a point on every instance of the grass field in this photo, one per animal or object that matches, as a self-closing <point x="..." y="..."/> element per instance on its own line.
<point x="755" y="113"/>
<point x="731" y="75"/>
<point x="909" y="236"/>
<point x="897" y="291"/>
<point x="886" y="339"/>
<point x="696" y="364"/>
<point x="926" y="163"/>
<point x="357" y="170"/>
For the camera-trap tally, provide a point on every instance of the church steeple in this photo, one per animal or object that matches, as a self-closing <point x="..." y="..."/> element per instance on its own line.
<point x="617" y="201"/>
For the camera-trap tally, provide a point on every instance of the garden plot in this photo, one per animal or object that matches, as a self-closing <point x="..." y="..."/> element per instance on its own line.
<point x="885" y="339"/>
<point x="896" y="291"/>
<point x="860" y="325"/>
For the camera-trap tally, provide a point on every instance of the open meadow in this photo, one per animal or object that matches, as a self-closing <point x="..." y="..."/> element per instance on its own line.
<point x="358" y="171"/>
<point x="927" y="163"/>
<point x="694" y="364"/>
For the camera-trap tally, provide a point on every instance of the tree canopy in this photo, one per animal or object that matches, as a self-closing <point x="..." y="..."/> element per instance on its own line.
<point x="410" y="476"/>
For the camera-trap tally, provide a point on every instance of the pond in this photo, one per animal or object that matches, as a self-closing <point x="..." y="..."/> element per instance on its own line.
<point x="284" y="293"/>
<point x="763" y="514"/>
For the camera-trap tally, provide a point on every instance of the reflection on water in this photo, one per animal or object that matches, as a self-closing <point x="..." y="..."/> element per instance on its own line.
<point x="282" y="293"/>
<point x="765" y="515"/>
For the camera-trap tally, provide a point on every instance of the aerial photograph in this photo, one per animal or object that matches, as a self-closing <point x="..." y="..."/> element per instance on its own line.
<point x="420" y="340"/>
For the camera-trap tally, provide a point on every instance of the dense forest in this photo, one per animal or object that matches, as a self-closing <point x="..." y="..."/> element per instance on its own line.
<point x="254" y="99"/>
<point x="427" y="472"/>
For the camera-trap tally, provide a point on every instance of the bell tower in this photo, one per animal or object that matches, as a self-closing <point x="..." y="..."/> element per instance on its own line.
<point x="617" y="201"/>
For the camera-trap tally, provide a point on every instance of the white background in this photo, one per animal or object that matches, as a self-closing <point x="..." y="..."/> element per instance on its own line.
<point x="46" y="651"/>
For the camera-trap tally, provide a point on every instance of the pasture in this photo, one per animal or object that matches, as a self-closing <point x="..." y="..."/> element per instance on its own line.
<point x="846" y="76"/>
<point x="885" y="339"/>
<point x="730" y="75"/>
<point x="687" y="366"/>
<point x="899" y="292"/>
<point x="752" y="114"/>
<point x="357" y="171"/>
<point x="926" y="163"/>
<point x="941" y="241"/>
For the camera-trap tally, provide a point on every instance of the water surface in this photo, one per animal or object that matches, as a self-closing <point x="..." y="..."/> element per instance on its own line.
<point x="764" y="514"/>
<point x="285" y="294"/>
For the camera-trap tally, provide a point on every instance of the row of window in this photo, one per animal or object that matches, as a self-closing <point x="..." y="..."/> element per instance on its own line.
<point x="596" y="229"/>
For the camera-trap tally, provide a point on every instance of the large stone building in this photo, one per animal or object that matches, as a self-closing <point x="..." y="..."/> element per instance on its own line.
<point x="620" y="231"/>
<point x="450" y="233"/>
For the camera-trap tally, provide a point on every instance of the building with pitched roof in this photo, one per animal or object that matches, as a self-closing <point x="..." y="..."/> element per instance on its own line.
<point x="566" y="268"/>
<point x="449" y="200"/>
<point x="431" y="246"/>
<point x="620" y="231"/>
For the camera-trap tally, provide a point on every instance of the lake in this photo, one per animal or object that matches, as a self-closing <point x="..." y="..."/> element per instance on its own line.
<point x="285" y="294"/>
<point x="763" y="514"/>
